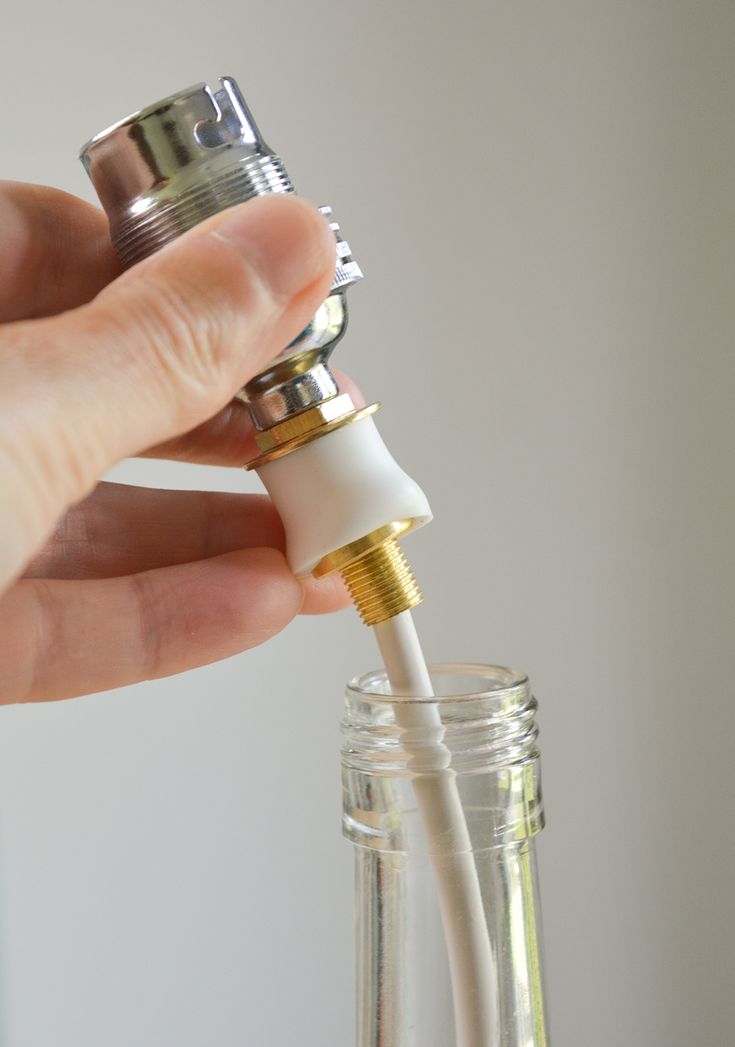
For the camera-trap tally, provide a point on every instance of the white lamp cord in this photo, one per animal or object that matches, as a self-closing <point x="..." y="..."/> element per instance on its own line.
<point x="471" y="961"/>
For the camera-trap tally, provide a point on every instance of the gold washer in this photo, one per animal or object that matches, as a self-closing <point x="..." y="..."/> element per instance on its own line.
<point x="304" y="422"/>
<point x="313" y="434"/>
<point x="339" y="559"/>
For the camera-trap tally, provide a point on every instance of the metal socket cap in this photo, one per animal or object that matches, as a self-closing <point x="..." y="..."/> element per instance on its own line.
<point x="166" y="168"/>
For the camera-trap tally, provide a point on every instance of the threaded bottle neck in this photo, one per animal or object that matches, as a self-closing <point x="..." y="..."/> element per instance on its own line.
<point x="488" y="726"/>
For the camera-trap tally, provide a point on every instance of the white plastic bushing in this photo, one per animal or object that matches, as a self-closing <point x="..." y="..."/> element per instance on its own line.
<point x="337" y="489"/>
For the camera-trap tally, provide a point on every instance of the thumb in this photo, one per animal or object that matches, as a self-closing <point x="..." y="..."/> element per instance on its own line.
<point x="159" y="351"/>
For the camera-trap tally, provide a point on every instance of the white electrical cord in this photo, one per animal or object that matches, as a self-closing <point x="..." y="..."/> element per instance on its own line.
<point x="350" y="470"/>
<point x="471" y="962"/>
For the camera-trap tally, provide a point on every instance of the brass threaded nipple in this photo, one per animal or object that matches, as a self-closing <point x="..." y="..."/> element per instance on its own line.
<point x="381" y="583"/>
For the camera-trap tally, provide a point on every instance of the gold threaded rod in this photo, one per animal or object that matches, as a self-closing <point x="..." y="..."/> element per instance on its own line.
<point x="381" y="583"/>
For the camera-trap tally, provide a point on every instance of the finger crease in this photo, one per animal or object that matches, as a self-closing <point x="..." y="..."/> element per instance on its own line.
<point x="47" y="639"/>
<point x="149" y="632"/>
<point x="216" y="527"/>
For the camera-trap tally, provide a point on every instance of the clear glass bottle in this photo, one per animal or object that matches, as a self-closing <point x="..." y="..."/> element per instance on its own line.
<point x="404" y="996"/>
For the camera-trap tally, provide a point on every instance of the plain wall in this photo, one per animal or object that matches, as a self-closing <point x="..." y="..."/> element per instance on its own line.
<point x="541" y="195"/>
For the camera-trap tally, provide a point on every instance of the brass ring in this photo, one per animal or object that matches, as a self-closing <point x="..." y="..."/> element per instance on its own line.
<point x="314" y="434"/>
<point x="354" y="550"/>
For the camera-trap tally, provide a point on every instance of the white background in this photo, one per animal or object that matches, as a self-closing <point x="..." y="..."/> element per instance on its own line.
<point x="542" y="197"/>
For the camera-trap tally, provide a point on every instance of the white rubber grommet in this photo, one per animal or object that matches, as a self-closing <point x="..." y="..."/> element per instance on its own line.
<point x="337" y="489"/>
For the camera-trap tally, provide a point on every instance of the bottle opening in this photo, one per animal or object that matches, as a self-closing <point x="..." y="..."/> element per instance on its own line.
<point x="483" y="734"/>
<point x="452" y="681"/>
<point x="484" y="718"/>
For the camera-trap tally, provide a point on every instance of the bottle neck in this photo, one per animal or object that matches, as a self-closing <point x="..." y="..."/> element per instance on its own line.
<point x="484" y="738"/>
<point x="487" y="738"/>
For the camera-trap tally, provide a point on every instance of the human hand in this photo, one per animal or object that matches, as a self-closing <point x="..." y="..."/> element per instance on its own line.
<point x="106" y="584"/>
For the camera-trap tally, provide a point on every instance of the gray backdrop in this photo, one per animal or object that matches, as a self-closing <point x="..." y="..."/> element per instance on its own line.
<point x="542" y="198"/>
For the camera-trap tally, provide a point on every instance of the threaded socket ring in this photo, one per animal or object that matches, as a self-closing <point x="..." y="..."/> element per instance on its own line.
<point x="136" y="236"/>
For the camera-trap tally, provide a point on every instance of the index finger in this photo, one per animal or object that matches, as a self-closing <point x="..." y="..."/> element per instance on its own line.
<point x="56" y="251"/>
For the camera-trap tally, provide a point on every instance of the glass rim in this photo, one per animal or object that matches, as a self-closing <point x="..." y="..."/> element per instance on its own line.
<point x="497" y="680"/>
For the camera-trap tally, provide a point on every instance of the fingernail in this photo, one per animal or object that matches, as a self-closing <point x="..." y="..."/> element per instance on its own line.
<point x="286" y="240"/>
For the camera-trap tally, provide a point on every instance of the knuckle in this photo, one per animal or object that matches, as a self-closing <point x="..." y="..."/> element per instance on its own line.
<point x="184" y="334"/>
<point x="192" y="314"/>
<point x="50" y="454"/>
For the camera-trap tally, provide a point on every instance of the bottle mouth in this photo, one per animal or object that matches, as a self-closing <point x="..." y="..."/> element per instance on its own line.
<point x="487" y="715"/>
<point x="454" y="682"/>
<point x="487" y="733"/>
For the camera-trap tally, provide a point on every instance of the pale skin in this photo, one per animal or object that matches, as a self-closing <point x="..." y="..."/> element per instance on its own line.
<point x="104" y="584"/>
